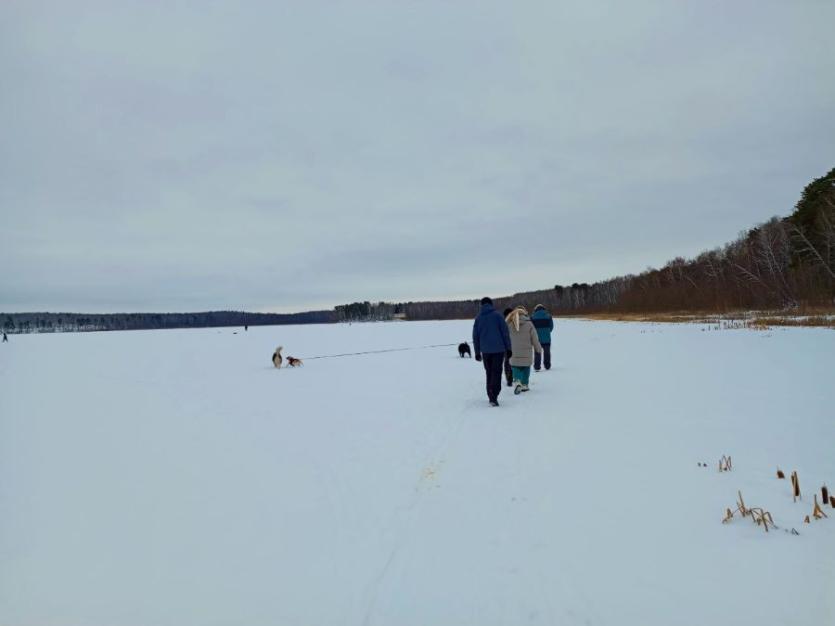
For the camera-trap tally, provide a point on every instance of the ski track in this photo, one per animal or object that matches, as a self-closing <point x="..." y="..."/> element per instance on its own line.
<point x="432" y="465"/>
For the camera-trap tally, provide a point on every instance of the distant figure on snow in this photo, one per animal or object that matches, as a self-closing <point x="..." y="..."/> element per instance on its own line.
<point x="464" y="348"/>
<point x="508" y="370"/>
<point x="491" y="342"/>
<point x="544" y="324"/>
<point x="5" y="339"/>
<point x="523" y="337"/>
<point x="277" y="356"/>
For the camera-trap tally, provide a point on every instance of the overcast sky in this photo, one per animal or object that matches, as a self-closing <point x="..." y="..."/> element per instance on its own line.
<point x="175" y="156"/>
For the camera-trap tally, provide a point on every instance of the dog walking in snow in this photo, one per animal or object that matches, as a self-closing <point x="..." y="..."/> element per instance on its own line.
<point x="294" y="362"/>
<point x="464" y="348"/>
<point x="277" y="356"/>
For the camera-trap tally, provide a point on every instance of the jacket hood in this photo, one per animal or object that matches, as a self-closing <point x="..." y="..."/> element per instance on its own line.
<point x="486" y="308"/>
<point x="517" y="317"/>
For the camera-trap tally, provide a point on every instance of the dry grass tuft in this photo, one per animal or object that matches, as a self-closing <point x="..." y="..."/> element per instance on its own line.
<point x="754" y="320"/>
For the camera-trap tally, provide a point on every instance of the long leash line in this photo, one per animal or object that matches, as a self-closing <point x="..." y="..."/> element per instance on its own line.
<point x="334" y="356"/>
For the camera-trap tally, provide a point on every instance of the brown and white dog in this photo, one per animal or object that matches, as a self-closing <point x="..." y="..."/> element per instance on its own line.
<point x="294" y="362"/>
<point x="277" y="359"/>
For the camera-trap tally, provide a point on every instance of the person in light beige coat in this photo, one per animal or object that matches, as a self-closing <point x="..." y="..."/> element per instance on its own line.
<point x="524" y="341"/>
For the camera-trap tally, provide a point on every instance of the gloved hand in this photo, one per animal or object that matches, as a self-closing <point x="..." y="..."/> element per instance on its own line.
<point x="478" y="356"/>
<point x="509" y="354"/>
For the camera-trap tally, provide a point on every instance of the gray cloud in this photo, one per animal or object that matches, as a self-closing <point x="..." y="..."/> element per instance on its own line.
<point x="266" y="156"/>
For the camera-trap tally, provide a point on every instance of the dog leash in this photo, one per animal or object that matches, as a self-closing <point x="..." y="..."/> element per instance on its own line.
<point x="334" y="356"/>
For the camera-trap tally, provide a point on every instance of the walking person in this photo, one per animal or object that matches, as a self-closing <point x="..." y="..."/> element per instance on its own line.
<point x="544" y="324"/>
<point x="491" y="342"/>
<point x="5" y="339"/>
<point x="508" y="369"/>
<point x="524" y="340"/>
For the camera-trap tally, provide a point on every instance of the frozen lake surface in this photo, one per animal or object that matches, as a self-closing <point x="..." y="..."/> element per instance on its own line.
<point x="175" y="478"/>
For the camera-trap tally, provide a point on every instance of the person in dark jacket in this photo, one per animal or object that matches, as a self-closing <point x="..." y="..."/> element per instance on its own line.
<point x="508" y="368"/>
<point x="544" y="324"/>
<point x="491" y="341"/>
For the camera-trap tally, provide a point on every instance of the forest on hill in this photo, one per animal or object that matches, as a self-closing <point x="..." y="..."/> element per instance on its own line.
<point x="782" y="264"/>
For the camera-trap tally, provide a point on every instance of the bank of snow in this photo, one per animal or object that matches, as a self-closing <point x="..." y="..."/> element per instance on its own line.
<point x="176" y="478"/>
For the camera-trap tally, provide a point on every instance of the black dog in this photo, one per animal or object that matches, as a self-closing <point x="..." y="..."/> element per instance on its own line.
<point x="464" y="348"/>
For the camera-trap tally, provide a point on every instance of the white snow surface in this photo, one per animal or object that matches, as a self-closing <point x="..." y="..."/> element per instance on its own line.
<point x="156" y="478"/>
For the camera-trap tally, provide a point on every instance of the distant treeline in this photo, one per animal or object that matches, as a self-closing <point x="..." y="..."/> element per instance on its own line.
<point x="71" y="322"/>
<point x="367" y="311"/>
<point x="784" y="263"/>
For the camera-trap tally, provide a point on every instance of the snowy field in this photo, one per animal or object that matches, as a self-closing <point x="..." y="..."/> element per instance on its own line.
<point x="175" y="478"/>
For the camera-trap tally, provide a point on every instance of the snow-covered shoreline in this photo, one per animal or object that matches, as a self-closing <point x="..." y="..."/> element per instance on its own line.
<point x="178" y="478"/>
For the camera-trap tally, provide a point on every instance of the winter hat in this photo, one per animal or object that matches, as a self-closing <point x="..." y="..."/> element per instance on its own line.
<point x="486" y="300"/>
<point x="539" y="307"/>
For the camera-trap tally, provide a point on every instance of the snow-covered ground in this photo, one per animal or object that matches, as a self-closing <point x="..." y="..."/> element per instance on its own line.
<point x="176" y="478"/>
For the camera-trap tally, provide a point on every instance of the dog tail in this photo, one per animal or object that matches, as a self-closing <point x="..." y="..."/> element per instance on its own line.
<point x="279" y="349"/>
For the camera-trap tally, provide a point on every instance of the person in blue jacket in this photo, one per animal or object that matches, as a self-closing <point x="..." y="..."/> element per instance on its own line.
<point x="544" y="324"/>
<point x="491" y="341"/>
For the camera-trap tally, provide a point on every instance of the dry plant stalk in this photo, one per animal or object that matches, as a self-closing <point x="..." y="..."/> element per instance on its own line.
<point x="824" y="494"/>
<point x="740" y="506"/>
<point x="817" y="512"/>
<point x="832" y="501"/>
<point x="780" y="474"/>
<point x="760" y="516"/>
<point x="795" y="487"/>
<point x="806" y="520"/>
<point x="725" y="464"/>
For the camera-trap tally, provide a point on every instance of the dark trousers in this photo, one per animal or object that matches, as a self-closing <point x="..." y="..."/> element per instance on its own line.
<point x="546" y="351"/>
<point x="493" y="369"/>
<point x="508" y="370"/>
